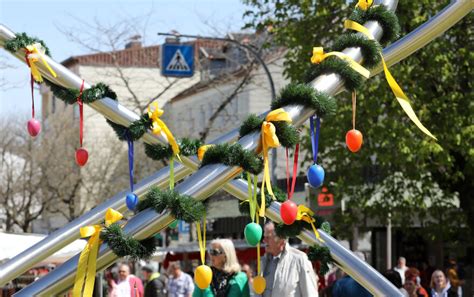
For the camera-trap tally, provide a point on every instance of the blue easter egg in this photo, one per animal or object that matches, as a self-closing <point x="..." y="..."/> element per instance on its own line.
<point x="315" y="175"/>
<point x="131" y="201"/>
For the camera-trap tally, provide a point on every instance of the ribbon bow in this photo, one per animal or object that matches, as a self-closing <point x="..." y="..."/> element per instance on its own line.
<point x="159" y="126"/>
<point x="35" y="52"/>
<point x="364" y="4"/>
<point x="202" y="150"/>
<point x="306" y="214"/>
<point x="396" y="89"/>
<point x="269" y="139"/>
<point x="319" y="56"/>
<point x="86" y="267"/>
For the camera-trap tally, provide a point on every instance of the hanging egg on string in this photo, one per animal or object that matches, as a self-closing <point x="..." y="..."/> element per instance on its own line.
<point x="354" y="140"/>
<point x="288" y="212"/>
<point x="259" y="284"/>
<point x="315" y="175"/>
<point x="34" y="127"/>
<point x="203" y="276"/>
<point x="81" y="156"/>
<point x="253" y="233"/>
<point x="131" y="200"/>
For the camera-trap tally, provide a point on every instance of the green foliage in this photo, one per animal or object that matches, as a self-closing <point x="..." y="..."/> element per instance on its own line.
<point x="352" y="79"/>
<point x="379" y="13"/>
<point x="371" y="49"/>
<point x="187" y="147"/>
<point x="136" y="128"/>
<point x="286" y="133"/>
<point x="182" y="207"/>
<point x="233" y="155"/>
<point x="322" y="254"/>
<point x="21" y="40"/>
<point x="69" y="96"/>
<point x="280" y="195"/>
<point x="293" y="230"/>
<point x="307" y="96"/>
<point x="124" y="245"/>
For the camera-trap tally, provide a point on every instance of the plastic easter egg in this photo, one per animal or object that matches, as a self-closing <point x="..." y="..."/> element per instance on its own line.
<point x="253" y="233"/>
<point x="259" y="284"/>
<point x="315" y="176"/>
<point x="288" y="212"/>
<point x="34" y="127"/>
<point x="203" y="276"/>
<point x="354" y="140"/>
<point x="131" y="200"/>
<point x="81" y="156"/>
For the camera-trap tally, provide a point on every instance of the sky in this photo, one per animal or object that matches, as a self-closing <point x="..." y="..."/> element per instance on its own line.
<point x="46" y="19"/>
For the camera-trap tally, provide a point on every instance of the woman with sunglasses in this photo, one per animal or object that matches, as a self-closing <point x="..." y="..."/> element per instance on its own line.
<point x="227" y="279"/>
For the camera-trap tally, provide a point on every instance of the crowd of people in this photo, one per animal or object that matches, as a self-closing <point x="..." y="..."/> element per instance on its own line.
<point x="287" y="272"/>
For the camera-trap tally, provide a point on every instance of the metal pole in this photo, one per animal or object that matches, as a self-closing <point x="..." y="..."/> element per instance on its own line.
<point x="207" y="181"/>
<point x="455" y="12"/>
<point x="389" y="242"/>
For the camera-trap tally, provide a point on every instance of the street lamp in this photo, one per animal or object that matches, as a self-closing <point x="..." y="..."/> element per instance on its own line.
<point x="241" y="45"/>
<point x="257" y="57"/>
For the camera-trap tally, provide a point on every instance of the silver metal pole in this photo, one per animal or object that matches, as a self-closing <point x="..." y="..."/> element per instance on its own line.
<point x="389" y="242"/>
<point x="394" y="49"/>
<point x="204" y="183"/>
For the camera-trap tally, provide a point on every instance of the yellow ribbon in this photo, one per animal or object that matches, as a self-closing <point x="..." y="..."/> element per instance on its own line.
<point x="269" y="139"/>
<point x="364" y="4"/>
<point x="34" y="53"/>
<point x="319" y="56"/>
<point x="202" y="239"/>
<point x="159" y="126"/>
<point x="86" y="267"/>
<point x="202" y="150"/>
<point x="306" y="214"/>
<point x="397" y="91"/>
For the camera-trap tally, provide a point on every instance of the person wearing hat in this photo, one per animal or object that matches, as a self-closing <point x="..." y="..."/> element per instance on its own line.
<point x="155" y="284"/>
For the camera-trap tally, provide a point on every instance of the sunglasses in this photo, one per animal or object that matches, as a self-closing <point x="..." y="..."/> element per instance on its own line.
<point x="215" y="252"/>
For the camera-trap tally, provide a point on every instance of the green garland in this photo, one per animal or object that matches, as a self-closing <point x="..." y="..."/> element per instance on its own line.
<point x="370" y="49"/>
<point x="386" y="18"/>
<point x="352" y="79"/>
<point x="307" y="96"/>
<point x="287" y="134"/>
<point x="135" y="130"/>
<point x="280" y="195"/>
<point x="182" y="207"/>
<point x="293" y="230"/>
<point x="321" y="254"/>
<point x="158" y="152"/>
<point x="233" y="155"/>
<point x="21" y="40"/>
<point x="90" y="95"/>
<point x="124" y="245"/>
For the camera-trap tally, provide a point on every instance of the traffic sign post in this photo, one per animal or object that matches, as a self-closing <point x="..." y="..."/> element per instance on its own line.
<point x="177" y="60"/>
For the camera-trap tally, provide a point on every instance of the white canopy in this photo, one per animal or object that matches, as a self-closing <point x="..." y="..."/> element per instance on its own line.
<point x="12" y="244"/>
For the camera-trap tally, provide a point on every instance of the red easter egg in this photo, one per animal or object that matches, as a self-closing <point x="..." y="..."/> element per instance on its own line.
<point x="81" y="156"/>
<point x="288" y="212"/>
<point x="354" y="140"/>
<point x="34" y="127"/>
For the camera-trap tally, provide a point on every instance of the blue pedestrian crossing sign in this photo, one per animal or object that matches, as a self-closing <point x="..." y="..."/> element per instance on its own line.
<point x="177" y="60"/>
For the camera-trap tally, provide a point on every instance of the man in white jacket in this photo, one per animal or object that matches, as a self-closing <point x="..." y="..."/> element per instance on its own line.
<point x="287" y="271"/>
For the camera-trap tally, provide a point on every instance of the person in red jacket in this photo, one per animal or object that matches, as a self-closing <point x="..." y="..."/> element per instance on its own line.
<point x="128" y="284"/>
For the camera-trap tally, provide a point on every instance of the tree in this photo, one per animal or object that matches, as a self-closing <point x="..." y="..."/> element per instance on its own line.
<point x="399" y="171"/>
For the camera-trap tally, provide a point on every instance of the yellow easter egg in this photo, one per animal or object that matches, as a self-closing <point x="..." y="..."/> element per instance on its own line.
<point x="259" y="284"/>
<point x="203" y="276"/>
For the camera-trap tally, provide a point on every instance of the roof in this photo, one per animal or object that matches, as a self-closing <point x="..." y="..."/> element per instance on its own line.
<point x="137" y="56"/>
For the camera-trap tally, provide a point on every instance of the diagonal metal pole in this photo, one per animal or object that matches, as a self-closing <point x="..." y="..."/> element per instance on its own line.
<point x="209" y="179"/>
<point x="452" y="14"/>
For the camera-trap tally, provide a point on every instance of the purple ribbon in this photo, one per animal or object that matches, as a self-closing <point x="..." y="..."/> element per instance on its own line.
<point x="314" y="136"/>
<point x="130" y="159"/>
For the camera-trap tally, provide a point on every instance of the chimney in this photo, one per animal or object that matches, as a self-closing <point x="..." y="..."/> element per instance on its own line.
<point x="134" y="42"/>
